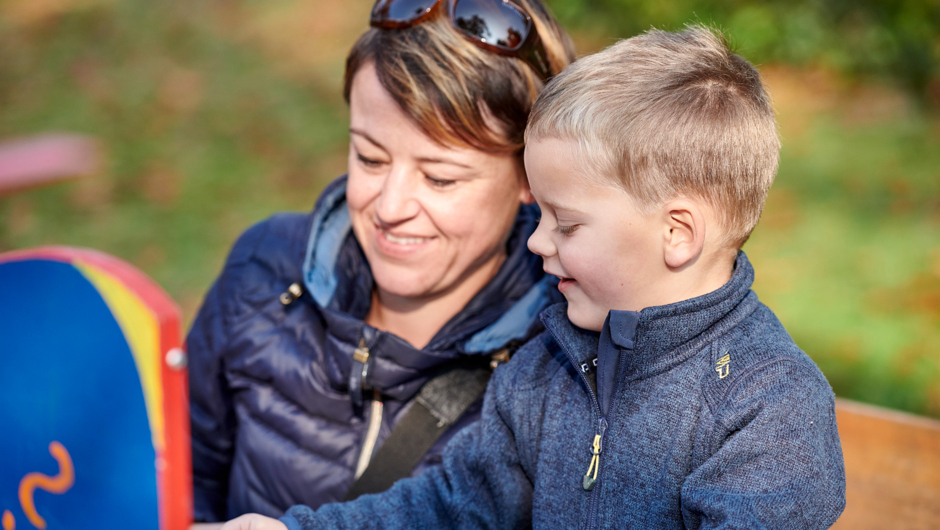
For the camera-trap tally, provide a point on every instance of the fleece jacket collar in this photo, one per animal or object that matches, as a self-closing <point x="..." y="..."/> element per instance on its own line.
<point x="665" y="336"/>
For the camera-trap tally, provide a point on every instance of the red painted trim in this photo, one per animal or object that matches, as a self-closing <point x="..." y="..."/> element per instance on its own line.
<point x="176" y="486"/>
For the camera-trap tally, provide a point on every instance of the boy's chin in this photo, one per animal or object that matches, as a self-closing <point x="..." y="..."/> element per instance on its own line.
<point x="590" y="319"/>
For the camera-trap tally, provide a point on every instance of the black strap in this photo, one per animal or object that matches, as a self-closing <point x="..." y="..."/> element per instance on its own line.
<point x="439" y="404"/>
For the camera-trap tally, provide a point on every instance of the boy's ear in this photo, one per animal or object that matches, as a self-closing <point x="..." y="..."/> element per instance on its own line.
<point x="683" y="232"/>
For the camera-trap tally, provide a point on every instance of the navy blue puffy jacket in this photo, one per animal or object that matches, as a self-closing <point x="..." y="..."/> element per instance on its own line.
<point x="274" y="422"/>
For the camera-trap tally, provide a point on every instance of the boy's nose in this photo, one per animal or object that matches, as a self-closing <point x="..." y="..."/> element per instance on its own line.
<point x="540" y="243"/>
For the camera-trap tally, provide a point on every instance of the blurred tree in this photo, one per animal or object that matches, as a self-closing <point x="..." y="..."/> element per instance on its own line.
<point x="894" y="39"/>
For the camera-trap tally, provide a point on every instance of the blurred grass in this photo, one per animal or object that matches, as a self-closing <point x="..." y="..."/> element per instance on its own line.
<point x="216" y="114"/>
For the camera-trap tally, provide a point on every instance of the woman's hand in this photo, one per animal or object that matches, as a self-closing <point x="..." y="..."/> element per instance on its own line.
<point x="253" y="521"/>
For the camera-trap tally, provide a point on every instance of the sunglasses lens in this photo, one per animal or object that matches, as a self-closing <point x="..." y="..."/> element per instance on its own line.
<point x="400" y="11"/>
<point x="494" y="22"/>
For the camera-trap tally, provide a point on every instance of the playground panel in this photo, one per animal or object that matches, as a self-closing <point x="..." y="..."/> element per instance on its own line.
<point x="95" y="428"/>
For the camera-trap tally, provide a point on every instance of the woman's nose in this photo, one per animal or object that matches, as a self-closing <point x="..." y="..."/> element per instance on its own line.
<point x="398" y="201"/>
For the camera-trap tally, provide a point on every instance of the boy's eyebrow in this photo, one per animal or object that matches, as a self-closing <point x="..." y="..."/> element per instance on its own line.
<point x="555" y="205"/>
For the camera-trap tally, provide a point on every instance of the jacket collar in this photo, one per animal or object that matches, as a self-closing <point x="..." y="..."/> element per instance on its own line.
<point x="665" y="335"/>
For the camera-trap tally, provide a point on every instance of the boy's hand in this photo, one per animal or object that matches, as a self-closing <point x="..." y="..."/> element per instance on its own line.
<point x="253" y="521"/>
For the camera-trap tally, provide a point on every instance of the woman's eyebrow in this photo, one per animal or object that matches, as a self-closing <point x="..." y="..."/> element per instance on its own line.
<point x="438" y="160"/>
<point x="427" y="159"/>
<point x="357" y="132"/>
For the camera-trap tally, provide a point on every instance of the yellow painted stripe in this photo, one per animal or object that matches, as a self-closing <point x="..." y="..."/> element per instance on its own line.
<point x="142" y="332"/>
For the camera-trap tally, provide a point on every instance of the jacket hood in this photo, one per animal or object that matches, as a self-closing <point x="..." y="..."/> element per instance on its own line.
<point x="338" y="277"/>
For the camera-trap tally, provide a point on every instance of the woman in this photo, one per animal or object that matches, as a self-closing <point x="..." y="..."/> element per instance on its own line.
<point x="323" y="329"/>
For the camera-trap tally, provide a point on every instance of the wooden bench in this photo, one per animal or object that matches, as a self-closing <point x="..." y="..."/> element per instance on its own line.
<point x="892" y="466"/>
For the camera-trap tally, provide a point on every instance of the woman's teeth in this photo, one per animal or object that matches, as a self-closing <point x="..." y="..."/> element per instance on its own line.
<point x="404" y="240"/>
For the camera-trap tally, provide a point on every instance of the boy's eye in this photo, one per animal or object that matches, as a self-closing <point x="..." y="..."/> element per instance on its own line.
<point x="439" y="183"/>
<point x="369" y="162"/>
<point x="566" y="230"/>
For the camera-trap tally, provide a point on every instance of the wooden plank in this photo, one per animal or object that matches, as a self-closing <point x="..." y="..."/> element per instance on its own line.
<point x="892" y="464"/>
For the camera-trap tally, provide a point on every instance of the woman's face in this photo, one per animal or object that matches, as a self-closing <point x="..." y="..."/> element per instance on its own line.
<point x="432" y="220"/>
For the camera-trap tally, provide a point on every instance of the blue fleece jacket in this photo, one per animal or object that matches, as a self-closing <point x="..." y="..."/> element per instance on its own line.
<point x="716" y="420"/>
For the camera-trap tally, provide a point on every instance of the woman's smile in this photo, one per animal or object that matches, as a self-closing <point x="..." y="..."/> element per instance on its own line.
<point x="400" y="244"/>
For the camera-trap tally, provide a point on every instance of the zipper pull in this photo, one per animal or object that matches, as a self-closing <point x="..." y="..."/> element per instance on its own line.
<point x="597" y="447"/>
<point x="359" y="372"/>
<point x="361" y="353"/>
<point x="293" y="292"/>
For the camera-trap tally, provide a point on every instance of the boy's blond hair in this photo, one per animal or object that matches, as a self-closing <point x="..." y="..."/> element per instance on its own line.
<point x="670" y="115"/>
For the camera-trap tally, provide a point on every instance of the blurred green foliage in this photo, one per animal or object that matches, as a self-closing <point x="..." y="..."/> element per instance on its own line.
<point x="202" y="136"/>
<point x="894" y="39"/>
<point x="216" y="114"/>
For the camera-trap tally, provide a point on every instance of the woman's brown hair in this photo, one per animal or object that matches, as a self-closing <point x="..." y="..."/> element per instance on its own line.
<point x="452" y="89"/>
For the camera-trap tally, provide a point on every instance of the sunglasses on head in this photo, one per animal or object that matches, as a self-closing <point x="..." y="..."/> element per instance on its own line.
<point x="497" y="26"/>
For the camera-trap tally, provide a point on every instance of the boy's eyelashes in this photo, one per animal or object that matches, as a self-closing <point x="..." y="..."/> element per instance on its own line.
<point x="563" y="230"/>
<point x="566" y="230"/>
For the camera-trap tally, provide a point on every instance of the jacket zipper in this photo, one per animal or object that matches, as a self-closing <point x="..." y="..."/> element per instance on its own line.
<point x="361" y="354"/>
<point x="597" y="445"/>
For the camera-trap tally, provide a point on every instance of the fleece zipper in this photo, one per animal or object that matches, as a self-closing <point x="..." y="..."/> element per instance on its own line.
<point x="597" y="444"/>
<point x="590" y="479"/>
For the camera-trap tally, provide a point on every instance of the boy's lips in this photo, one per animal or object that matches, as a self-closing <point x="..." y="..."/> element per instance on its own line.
<point x="563" y="282"/>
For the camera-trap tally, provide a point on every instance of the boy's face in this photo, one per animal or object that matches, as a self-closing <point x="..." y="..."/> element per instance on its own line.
<point x="607" y="254"/>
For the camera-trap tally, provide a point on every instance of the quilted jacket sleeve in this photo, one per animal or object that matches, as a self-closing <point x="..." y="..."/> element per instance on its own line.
<point x="481" y="484"/>
<point x="212" y="419"/>
<point x="778" y="462"/>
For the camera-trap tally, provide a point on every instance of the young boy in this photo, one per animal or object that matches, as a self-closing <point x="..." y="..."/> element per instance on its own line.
<point x="663" y="394"/>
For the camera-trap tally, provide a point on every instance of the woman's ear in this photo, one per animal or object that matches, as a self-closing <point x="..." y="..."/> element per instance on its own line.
<point x="525" y="195"/>
<point x="683" y="233"/>
<point x="525" y="192"/>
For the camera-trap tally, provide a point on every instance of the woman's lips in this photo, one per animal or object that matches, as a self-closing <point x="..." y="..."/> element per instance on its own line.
<point x="399" y="245"/>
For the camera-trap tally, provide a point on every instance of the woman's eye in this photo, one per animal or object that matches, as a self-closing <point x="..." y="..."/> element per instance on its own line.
<point x="439" y="183"/>
<point x="566" y="230"/>
<point x="369" y="162"/>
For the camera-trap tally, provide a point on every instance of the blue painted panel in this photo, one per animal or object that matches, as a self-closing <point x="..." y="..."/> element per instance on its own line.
<point x="67" y="374"/>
